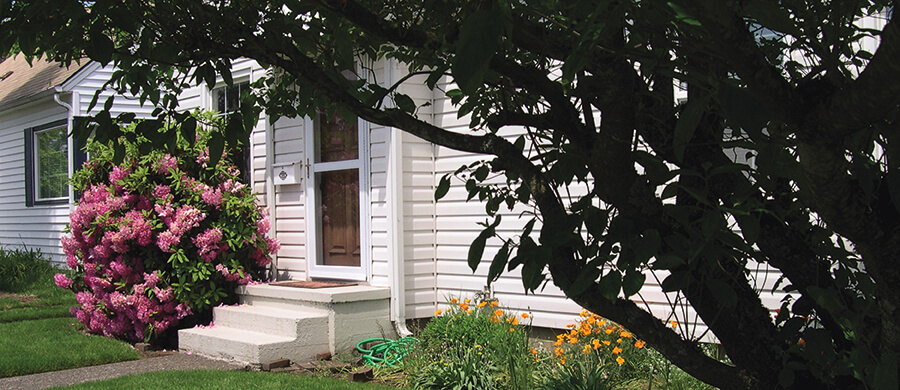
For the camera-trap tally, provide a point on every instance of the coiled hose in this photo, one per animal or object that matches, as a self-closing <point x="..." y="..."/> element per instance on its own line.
<point x="387" y="353"/>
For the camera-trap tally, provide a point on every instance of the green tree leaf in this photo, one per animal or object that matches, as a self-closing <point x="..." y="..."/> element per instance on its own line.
<point x="479" y="39"/>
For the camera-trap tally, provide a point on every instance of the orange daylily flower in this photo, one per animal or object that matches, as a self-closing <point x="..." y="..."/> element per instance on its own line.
<point x="498" y="312"/>
<point x="616" y="350"/>
<point x="525" y="315"/>
<point x="620" y="360"/>
<point x="438" y="312"/>
<point x="625" y="334"/>
<point x="640" y="344"/>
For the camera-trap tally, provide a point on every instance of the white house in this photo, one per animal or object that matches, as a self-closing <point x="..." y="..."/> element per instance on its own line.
<point x="375" y="221"/>
<point x="38" y="103"/>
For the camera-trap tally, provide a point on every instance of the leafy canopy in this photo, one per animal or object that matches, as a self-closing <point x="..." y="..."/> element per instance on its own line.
<point x="780" y="150"/>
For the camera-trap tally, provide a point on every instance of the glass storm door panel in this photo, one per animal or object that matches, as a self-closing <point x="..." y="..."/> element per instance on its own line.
<point x="338" y="218"/>
<point x="336" y="167"/>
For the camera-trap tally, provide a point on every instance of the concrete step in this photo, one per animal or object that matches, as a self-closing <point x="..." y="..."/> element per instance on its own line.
<point x="265" y="295"/>
<point x="247" y="346"/>
<point x="275" y="321"/>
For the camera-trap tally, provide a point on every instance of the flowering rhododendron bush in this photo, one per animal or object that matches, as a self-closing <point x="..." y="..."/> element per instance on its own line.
<point x="160" y="236"/>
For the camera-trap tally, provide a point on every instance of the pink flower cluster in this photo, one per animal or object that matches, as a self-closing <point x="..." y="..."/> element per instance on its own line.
<point x="179" y="222"/>
<point x="209" y="244"/>
<point x="234" y="276"/>
<point x="166" y="163"/>
<point x="137" y="234"/>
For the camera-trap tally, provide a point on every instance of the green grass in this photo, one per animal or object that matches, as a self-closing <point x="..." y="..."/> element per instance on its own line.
<point x="224" y="380"/>
<point x="35" y="313"/>
<point x="28" y="347"/>
<point x="37" y="333"/>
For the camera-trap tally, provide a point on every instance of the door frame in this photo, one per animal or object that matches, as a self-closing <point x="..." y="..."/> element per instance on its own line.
<point x="314" y="269"/>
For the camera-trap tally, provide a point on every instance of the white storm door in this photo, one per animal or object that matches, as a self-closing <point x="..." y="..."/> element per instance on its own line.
<point x="337" y="199"/>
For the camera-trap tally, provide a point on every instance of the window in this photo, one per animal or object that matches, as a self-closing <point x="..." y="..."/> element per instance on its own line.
<point x="226" y="100"/>
<point x="47" y="164"/>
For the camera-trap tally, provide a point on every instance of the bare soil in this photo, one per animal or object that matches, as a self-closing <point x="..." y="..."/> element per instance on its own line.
<point x="22" y="298"/>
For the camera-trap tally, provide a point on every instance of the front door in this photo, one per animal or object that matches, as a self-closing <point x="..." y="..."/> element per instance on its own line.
<point x="337" y="207"/>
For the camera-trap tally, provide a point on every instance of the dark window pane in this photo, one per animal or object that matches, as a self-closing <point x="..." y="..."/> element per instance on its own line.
<point x="337" y="140"/>
<point x="52" y="163"/>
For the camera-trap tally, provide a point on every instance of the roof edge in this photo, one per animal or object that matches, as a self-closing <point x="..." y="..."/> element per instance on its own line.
<point x="78" y="76"/>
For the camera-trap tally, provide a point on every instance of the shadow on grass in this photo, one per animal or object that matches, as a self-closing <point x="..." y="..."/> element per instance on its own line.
<point x="224" y="380"/>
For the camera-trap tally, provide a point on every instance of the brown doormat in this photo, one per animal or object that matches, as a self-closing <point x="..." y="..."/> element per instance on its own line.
<point x="312" y="284"/>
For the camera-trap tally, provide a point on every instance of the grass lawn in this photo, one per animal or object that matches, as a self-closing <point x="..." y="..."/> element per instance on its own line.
<point x="37" y="333"/>
<point x="51" y="344"/>
<point x="225" y="380"/>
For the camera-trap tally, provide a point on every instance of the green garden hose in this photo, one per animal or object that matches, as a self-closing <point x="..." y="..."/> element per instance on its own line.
<point x="387" y="352"/>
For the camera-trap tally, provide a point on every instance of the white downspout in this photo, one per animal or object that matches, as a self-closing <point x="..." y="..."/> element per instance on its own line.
<point x="70" y="142"/>
<point x="395" y="230"/>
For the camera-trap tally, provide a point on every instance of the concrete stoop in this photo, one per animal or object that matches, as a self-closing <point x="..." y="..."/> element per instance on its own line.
<point x="277" y="322"/>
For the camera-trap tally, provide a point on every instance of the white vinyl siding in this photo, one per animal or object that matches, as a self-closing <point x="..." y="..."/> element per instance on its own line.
<point x="39" y="227"/>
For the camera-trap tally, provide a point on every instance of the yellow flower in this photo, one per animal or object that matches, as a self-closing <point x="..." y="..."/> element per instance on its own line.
<point x="515" y="321"/>
<point x="464" y="306"/>
<point x="619" y="340"/>
<point x="438" y="312"/>
<point x="558" y="352"/>
<point x="620" y="360"/>
<point x="601" y="322"/>
<point x="469" y="311"/>
<point x="585" y="313"/>
<point x="639" y="344"/>
<point x="562" y="360"/>
<point x="606" y="342"/>
<point x="609" y="330"/>
<point x="512" y="329"/>
<point x="495" y="303"/>
<point x="673" y="324"/>
<point x="625" y="334"/>
<point x="481" y="304"/>
<point x="570" y="325"/>
<point x="558" y="343"/>
<point x="468" y="300"/>
<point x="616" y="350"/>
<point x="525" y="315"/>
<point x="596" y="343"/>
<point x="454" y="300"/>
<point x="586" y="349"/>
<point x="573" y="340"/>
<point x="498" y="312"/>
